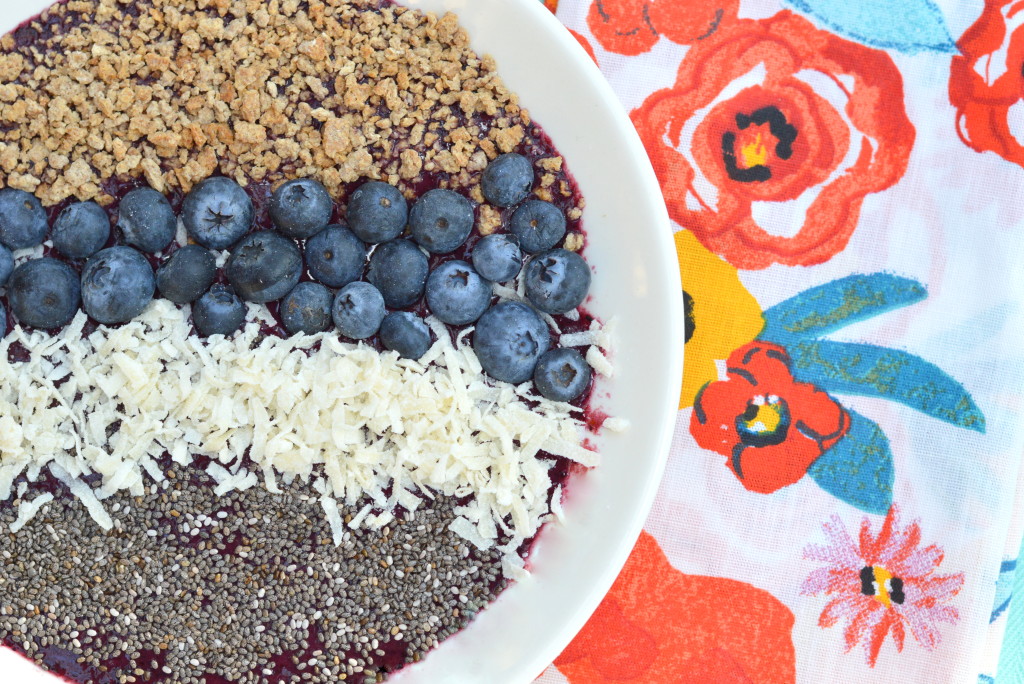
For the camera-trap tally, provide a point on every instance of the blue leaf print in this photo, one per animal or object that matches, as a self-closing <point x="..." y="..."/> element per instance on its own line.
<point x="1004" y="588"/>
<point x="858" y="469"/>
<point x="869" y="370"/>
<point x="826" y="308"/>
<point x="909" y="26"/>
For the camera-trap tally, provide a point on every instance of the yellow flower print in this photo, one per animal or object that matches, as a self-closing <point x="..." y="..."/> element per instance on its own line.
<point x="720" y="314"/>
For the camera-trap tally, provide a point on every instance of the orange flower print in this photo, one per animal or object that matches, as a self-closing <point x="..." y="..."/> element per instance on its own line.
<point x="777" y="140"/>
<point x="986" y="79"/>
<point x="882" y="585"/>
<point x="632" y="27"/>
<point x="770" y="427"/>
<point x="659" y="625"/>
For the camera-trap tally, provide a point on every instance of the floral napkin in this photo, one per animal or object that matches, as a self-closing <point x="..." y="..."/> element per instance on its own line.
<point x="844" y="499"/>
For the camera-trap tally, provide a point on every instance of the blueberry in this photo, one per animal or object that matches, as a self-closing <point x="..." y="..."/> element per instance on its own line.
<point x="307" y="309"/>
<point x="456" y="294"/>
<point x="377" y="212"/>
<point x="187" y="274"/>
<point x="399" y="270"/>
<point x="217" y="212"/>
<point x="44" y="293"/>
<point x="557" y="281"/>
<point x="117" y="284"/>
<point x="218" y="312"/>
<point x="441" y="220"/>
<point x="146" y="220"/>
<point x="22" y="219"/>
<point x="264" y="266"/>
<point x="358" y="310"/>
<point x="405" y="333"/>
<point x="561" y="375"/>
<point x="301" y="208"/>
<point x="539" y="225"/>
<point x="507" y="180"/>
<point x="81" y="230"/>
<point x="3" y="320"/>
<point x="509" y="339"/>
<point x="6" y="265"/>
<point x="335" y="256"/>
<point x="497" y="257"/>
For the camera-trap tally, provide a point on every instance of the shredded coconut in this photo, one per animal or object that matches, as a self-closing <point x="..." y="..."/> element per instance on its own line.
<point x="369" y="422"/>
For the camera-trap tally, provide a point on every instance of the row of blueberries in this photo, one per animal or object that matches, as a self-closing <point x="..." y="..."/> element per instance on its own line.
<point x="117" y="282"/>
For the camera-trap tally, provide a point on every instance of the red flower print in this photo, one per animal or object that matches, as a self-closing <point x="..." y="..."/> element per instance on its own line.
<point x="985" y="79"/>
<point x="582" y="40"/>
<point x="686" y="22"/>
<point x="778" y="139"/>
<point x="770" y="427"/>
<point x="631" y="27"/>
<point x="659" y="625"/>
<point x="622" y="26"/>
<point x="882" y="585"/>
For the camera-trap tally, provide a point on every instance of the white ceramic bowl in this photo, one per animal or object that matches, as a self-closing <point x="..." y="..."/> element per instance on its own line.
<point x="636" y="279"/>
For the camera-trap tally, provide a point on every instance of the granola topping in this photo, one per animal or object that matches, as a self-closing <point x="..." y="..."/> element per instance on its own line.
<point x="170" y="91"/>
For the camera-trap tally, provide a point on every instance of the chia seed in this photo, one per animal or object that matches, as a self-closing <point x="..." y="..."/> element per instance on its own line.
<point x="236" y="598"/>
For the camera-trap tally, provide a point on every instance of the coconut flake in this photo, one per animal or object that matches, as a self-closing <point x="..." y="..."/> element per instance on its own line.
<point x="505" y="293"/>
<point x="470" y="533"/>
<point x="579" y="339"/>
<point x="28" y="509"/>
<point x="333" y="516"/>
<point x="615" y="424"/>
<point x="556" y="504"/>
<point x="85" y="495"/>
<point x="599" y="362"/>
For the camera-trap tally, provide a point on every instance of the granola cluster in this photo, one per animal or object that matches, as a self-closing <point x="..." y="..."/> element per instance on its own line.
<point x="260" y="90"/>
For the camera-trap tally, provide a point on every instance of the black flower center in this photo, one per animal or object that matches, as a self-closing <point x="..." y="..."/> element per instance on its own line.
<point x="747" y="154"/>
<point x="879" y="583"/>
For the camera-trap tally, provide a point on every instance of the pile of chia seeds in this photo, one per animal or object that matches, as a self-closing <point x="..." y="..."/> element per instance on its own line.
<point x="190" y="587"/>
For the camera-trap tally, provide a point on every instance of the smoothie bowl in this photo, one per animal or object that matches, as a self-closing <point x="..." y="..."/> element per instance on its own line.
<point x="332" y="346"/>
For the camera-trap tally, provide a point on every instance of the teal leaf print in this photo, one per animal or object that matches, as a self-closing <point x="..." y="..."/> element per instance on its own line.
<point x="858" y="469"/>
<point x="909" y="26"/>
<point x="869" y="370"/>
<point x="826" y="308"/>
